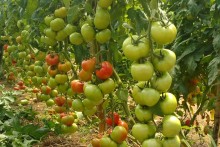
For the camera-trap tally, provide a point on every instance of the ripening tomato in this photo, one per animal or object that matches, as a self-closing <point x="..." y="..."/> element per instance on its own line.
<point x="52" y="70"/>
<point x="89" y="65"/>
<point x="77" y="86"/>
<point x="60" y="100"/>
<point x="68" y="120"/>
<point x="84" y="75"/>
<point x="105" y="71"/>
<point x="5" y="47"/>
<point x="119" y="134"/>
<point x="64" y="66"/>
<point x="52" y="59"/>
<point x="163" y="34"/>
<point x="123" y="124"/>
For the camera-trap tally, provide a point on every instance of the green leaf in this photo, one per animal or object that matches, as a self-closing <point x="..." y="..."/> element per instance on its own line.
<point x="191" y="48"/>
<point x="39" y="133"/>
<point x="186" y="142"/>
<point x="213" y="71"/>
<point x="216" y="41"/>
<point x="73" y="14"/>
<point x="122" y="93"/>
<point x="213" y="144"/>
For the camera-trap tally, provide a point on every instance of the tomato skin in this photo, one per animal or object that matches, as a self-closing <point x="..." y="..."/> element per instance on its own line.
<point x="48" y="19"/>
<point x="142" y="72"/>
<point x="143" y="114"/>
<point x="52" y="70"/>
<point x="102" y="18"/>
<point x="89" y="65"/>
<point x="119" y="134"/>
<point x="68" y="120"/>
<point x="171" y="126"/>
<point x="93" y="92"/>
<point x="61" y="78"/>
<point x="166" y="61"/>
<point x="163" y="34"/>
<point x="104" y="3"/>
<point x="96" y="142"/>
<point x="60" y="100"/>
<point x="57" y="24"/>
<point x="172" y="142"/>
<point x="88" y="32"/>
<point x="76" y="38"/>
<point x="135" y="51"/>
<point x="52" y="59"/>
<point x="61" y="12"/>
<point x="107" y="142"/>
<point x="77" y="86"/>
<point x="108" y="121"/>
<point x="140" y="132"/>
<point x="169" y="104"/>
<point x="105" y="71"/>
<point x="64" y="66"/>
<point x="5" y="47"/>
<point x="107" y="86"/>
<point x="123" y="124"/>
<point x="152" y="143"/>
<point x="84" y="76"/>
<point x="103" y="36"/>
<point x="77" y="105"/>
<point x="162" y="82"/>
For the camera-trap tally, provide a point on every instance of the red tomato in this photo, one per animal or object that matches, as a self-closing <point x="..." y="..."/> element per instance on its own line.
<point x="84" y="75"/>
<point x="5" y="47"/>
<point x="105" y="71"/>
<point x="108" y="121"/>
<point x="60" y="101"/>
<point x="52" y="59"/>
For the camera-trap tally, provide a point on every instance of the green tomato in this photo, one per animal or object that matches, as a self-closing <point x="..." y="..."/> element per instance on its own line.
<point x="61" y="35"/>
<point x="88" y="32"/>
<point x="152" y="143"/>
<point x="61" y="78"/>
<point x="142" y="72"/>
<point x="48" y="41"/>
<point x="69" y="29"/>
<point x="24" y="102"/>
<point x="77" y="105"/>
<point x="163" y="34"/>
<point x="107" y="142"/>
<point x="102" y="18"/>
<point x="62" y="88"/>
<point x="93" y="92"/>
<point x="107" y="86"/>
<point x="50" y="33"/>
<point x="104" y="3"/>
<point x="57" y="24"/>
<point x="61" y="12"/>
<point x="143" y="114"/>
<point x="48" y="19"/>
<point x="90" y="112"/>
<point x="76" y="38"/>
<point x="164" y="60"/>
<point x="149" y="96"/>
<point x="171" y="126"/>
<point x="140" y="132"/>
<point x="135" y="51"/>
<point x="103" y="36"/>
<point x="52" y="83"/>
<point x="172" y="142"/>
<point x="161" y="82"/>
<point x="168" y="104"/>
<point x="50" y="102"/>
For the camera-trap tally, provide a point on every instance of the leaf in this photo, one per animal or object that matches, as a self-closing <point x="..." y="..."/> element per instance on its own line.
<point x="73" y="14"/>
<point x="122" y="93"/>
<point x="213" y="144"/>
<point x="186" y="142"/>
<point x="216" y="41"/>
<point x="191" y="48"/>
<point x="213" y="71"/>
<point x="190" y="63"/>
<point x="39" y="133"/>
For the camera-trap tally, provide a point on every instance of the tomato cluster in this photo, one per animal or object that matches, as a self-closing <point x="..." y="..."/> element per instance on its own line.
<point x="151" y="70"/>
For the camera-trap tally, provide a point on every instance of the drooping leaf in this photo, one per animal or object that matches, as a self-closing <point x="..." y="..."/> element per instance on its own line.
<point x="213" y="70"/>
<point x="216" y="41"/>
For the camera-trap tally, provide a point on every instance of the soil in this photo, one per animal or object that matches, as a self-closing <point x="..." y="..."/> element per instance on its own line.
<point x="83" y="137"/>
